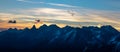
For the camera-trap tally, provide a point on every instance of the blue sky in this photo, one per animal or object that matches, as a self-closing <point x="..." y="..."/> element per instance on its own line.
<point x="92" y="4"/>
<point x="87" y="12"/>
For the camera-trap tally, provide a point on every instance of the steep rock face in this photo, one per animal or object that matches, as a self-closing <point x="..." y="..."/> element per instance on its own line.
<point x="68" y="38"/>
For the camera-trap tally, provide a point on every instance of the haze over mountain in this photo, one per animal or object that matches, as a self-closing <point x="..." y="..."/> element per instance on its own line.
<point x="67" y="39"/>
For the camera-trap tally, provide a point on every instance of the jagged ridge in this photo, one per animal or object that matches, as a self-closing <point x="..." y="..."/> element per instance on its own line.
<point x="55" y="39"/>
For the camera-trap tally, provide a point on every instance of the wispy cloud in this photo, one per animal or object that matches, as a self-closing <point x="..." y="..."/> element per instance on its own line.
<point x="53" y="4"/>
<point x="30" y="2"/>
<point x="62" y="5"/>
<point x="61" y="16"/>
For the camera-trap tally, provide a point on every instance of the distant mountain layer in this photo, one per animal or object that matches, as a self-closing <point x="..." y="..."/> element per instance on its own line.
<point x="67" y="39"/>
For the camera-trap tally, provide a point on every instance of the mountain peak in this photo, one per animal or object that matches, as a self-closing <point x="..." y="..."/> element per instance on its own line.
<point x="66" y="27"/>
<point x="109" y="28"/>
<point x="12" y="29"/>
<point x="53" y="25"/>
<point x="33" y="27"/>
<point x="26" y="28"/>
<point x="43" y="26"/>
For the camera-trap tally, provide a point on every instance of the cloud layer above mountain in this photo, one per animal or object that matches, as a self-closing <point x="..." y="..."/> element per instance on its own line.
<point x="57" y="12"/>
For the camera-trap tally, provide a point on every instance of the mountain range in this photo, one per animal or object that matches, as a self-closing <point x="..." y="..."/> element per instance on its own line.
<point x="55" y="39"/>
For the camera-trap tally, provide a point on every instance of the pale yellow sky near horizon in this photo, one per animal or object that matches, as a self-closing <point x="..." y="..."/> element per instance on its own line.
<point x="29" y="25"/>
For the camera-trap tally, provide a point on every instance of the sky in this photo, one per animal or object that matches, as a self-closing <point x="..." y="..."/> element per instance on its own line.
<point x="86" y="13"/>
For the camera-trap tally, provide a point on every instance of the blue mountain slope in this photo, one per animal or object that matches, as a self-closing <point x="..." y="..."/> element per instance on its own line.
<point x="54" y="39"/>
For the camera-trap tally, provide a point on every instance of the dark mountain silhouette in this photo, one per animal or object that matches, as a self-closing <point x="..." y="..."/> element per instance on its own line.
<point x="67" y="39"/>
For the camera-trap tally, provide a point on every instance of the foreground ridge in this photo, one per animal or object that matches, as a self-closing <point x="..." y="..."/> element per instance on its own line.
<point x="54" y="39"/>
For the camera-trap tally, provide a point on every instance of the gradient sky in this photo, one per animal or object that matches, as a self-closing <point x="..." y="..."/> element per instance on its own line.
<point x="87" y="12"/>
